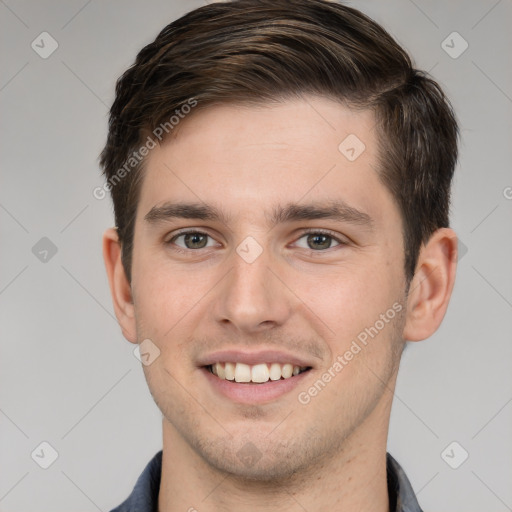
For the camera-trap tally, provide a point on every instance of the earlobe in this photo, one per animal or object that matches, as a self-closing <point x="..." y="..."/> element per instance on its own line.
<point x="432" y="285"/>
<point x="120" y="288"/>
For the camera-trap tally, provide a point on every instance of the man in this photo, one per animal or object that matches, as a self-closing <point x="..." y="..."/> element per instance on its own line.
<point x="281" y="182"/>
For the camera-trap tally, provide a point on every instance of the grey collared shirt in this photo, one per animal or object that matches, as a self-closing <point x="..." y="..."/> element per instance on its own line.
<point x="144" y="497"/>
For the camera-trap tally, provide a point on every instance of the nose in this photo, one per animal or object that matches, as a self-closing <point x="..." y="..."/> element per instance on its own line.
<point x="253" y="297"/>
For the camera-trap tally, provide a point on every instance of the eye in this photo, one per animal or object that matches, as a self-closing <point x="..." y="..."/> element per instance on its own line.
<point x="318" y="241"/>
<point x="192" y="240"/>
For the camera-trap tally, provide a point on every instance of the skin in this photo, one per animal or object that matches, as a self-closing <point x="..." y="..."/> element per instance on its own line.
<point x="328" y="454"/>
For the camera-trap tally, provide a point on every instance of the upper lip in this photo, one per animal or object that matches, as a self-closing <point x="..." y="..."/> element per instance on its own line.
<point x="253" y="357"/>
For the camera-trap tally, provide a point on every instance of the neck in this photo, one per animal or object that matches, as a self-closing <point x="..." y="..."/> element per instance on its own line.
<point x="351" y="478"/>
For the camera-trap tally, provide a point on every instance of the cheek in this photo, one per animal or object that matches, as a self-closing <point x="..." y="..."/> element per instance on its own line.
<point x="350" y="295"/>
<point x="170" y="304"/>
<point x="163" y="298"/>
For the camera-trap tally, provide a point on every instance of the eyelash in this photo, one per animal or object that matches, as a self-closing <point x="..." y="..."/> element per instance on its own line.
<point x="304" y="233"/>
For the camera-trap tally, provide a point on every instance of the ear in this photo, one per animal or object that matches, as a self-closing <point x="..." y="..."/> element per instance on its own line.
<point x="119" y="286"/>
<point x="431" y="286"/>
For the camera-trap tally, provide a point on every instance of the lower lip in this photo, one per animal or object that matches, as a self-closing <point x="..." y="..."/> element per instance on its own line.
<point x="251" y="393"/>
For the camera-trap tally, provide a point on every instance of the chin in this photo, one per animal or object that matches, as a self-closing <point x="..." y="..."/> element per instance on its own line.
<point x="258" y="460"/>
<point x="265" y="472"/>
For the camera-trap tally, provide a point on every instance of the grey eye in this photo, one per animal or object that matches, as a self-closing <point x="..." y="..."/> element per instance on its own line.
<point x="193" y="240"/>
<point x="318" y="241"/>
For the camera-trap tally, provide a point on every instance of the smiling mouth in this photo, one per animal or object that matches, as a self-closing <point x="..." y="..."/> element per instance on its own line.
<point x="257" y="373"/>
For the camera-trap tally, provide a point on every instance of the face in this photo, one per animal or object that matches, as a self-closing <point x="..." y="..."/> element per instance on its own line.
<point x="261" y="244"/>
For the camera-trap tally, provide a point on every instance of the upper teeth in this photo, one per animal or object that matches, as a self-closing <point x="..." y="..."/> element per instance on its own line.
<point x="240" y="372"/>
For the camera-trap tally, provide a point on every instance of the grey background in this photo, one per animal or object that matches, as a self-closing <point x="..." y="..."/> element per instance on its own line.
<point x="68" y="377"/>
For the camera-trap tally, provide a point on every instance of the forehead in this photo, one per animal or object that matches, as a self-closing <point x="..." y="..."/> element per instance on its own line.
<point x="252" y="158"/>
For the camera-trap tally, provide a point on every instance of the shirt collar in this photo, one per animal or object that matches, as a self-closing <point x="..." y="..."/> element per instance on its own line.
<point x="144" y="497"/>
<point x="400" y="491"/>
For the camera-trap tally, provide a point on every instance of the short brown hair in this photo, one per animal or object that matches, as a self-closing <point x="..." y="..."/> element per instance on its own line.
<point x="268" y="50"/>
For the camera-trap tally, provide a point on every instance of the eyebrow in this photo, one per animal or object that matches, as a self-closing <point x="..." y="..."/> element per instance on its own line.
<point x="335" y="210"/>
